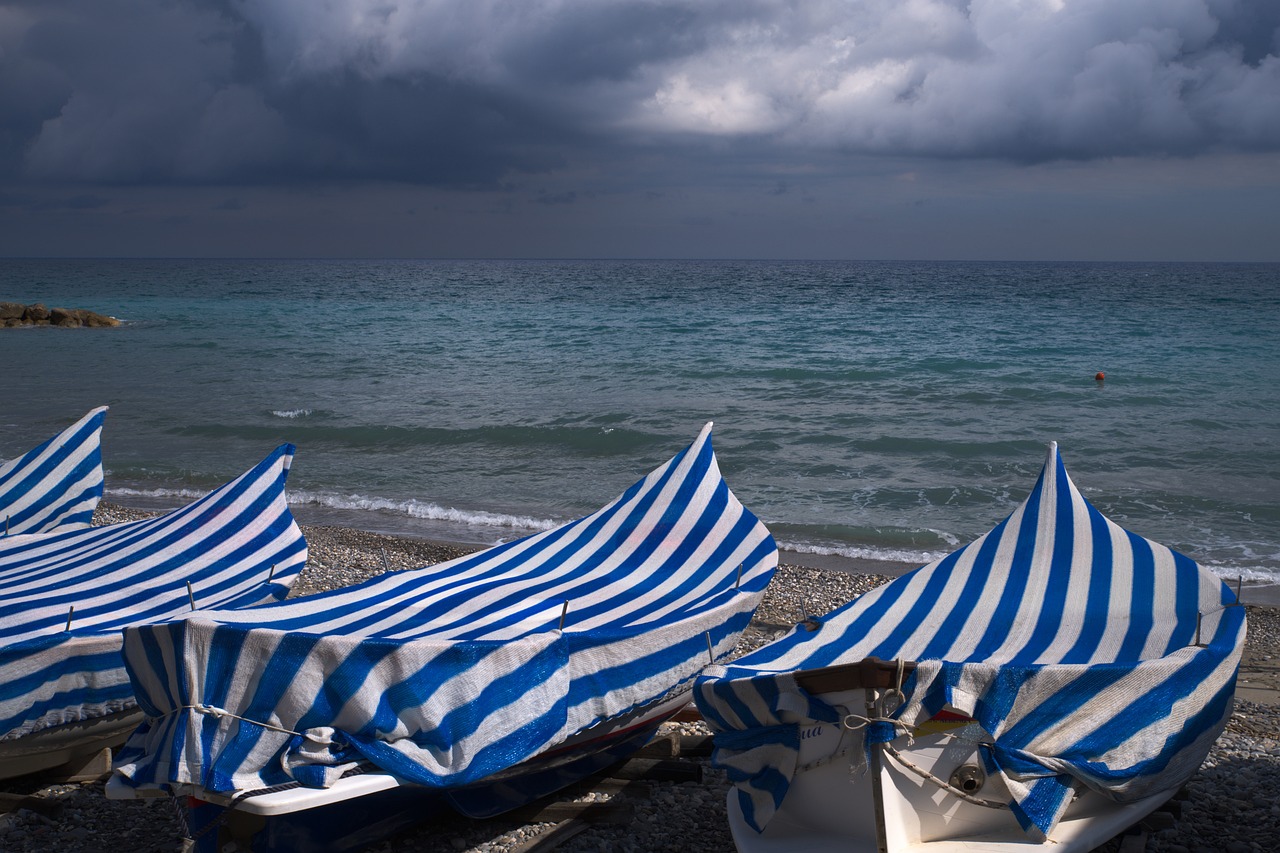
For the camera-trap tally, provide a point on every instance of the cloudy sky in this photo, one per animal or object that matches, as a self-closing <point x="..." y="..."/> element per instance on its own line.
<point x="998" y="129"/>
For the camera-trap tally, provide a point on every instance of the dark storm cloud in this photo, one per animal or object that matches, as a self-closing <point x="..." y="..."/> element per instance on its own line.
<point x="463" y="93"/>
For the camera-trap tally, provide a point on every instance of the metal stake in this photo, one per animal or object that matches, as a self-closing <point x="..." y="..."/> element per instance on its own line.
<point x="564" y="611"/>
<point x="191" y="595"/>
<point x="737" y="582"/>
<point x="271" y="574"/>
<point x="70" y="610"/>
<point x="711" y="654"/>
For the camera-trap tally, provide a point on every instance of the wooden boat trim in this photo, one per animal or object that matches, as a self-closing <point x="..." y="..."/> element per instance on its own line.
<point x="868" y="673"/>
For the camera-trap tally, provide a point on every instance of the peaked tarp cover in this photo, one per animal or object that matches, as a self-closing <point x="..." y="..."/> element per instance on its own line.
<point x="1071" y="640"/>
<point x="65" y="596"/>
<point x="56" y="486"/>
<point x="447" y="674"/>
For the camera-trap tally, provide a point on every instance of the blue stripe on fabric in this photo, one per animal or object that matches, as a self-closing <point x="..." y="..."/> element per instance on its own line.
<point x="1064" y="702"/>
<point x="31" y="511"/>
<point x="1004" y="615"/>
<point x="25" y="505"/>
<point x="1187" y="603"/>
<point x="123" y="541"/>
<point x="560" y="562"/>
<point x="1142" y="599"/>
<point x="465" y="719"/>
<point x="144" y="539"/>
<point x="944" y="638"/>
<point x="1152" y="705"/>
<point x="501" y="566"/>
<point x="826" y="651"/>
<point x="276" y="674"/>
<point x="915" y="620"/>
<point x="1058" y="583"/>
<point x="1043" y="804"/>
<point x="1101" y="577"/>
<point x="498" y="567"/>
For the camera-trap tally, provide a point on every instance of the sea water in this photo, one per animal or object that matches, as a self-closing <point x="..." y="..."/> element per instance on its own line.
<point x="875" y="410"/>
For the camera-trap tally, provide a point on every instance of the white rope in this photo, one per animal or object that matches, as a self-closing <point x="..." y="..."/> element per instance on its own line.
<point x="219" y="713"/>
<point x="942" y="783"/>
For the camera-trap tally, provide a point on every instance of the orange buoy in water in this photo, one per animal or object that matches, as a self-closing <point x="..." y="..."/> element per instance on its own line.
<point x="1100" y="376"/>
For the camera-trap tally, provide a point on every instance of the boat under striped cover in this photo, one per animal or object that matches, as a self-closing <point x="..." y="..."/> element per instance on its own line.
<point x="447" y="674"/>
<point x="57" y="485"/>
<point x="65" y="596"/>
<point x="1077" y="645"/>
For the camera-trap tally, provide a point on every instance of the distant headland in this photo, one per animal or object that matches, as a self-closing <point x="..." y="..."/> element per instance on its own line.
<point x="17" y="314"/>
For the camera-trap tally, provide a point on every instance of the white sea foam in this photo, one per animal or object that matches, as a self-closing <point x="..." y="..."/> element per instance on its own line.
<point x="422" y="510"/>
<point x="1229" y="573"/>
<point x="291" y="413"/>
<point x="864" y="552"/>
<point x="162" y="494"/>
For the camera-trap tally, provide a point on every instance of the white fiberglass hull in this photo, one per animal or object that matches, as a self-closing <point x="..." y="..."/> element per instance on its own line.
<point x="66" y="745"/>
<point x="832" y="802"/>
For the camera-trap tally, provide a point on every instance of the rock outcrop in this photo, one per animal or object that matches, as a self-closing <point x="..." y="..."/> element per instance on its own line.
<point x="17" y="314"/>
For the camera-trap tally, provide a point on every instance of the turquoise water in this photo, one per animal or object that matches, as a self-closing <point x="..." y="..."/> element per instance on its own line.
<point x="881" y="410"/>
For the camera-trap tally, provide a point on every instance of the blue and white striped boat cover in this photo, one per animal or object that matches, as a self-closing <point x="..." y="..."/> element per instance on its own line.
<point x="65" y="596"/>
<point x="1071" y="640"/>
<point x="58" y="485"/>
<point x="447" y="674"/>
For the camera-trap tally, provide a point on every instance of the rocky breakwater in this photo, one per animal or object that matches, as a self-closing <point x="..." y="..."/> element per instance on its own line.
<point x="17" y="314"/>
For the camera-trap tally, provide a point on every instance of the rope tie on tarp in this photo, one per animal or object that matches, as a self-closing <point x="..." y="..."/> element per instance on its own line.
<point x="219" y="713"/>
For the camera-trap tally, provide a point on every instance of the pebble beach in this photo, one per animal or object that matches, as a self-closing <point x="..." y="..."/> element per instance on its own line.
<point x="1232" y="804"/>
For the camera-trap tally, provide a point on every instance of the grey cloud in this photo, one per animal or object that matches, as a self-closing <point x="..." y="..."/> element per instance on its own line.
<point x="466" y="94"/>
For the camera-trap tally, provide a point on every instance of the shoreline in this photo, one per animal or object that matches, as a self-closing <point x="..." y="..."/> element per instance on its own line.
<point x="1252" y="592"/>
<point x="341" y="555"/>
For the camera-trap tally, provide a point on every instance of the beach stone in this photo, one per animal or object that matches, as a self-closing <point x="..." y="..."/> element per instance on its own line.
<point x="11" y="310"/>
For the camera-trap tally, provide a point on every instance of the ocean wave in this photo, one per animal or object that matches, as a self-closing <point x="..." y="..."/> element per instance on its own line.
<point x="290" y="413"/>
<point x="164" y="494"/>
<point x="1232" y="574"/>
<point x="864" y="552"/>
<point x="421" y="510"/>
<point x="1229" y="573"/>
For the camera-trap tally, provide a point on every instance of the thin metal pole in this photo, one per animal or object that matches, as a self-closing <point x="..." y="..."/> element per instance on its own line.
<point x="564" y="611"/>
<point x="875" y="763"/>
<point x="70" y="611"/>
<point x="711" y="654"/>
<point x="191" y="595"/>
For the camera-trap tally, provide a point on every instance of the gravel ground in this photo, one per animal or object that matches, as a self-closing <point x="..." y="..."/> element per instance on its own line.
<point x="1232" y="804"/>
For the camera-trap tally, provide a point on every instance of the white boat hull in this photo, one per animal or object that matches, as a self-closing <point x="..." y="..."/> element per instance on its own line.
<point x="296" y="798"/>
<point x="831" y="804"/>
<point x="69" y="745"/>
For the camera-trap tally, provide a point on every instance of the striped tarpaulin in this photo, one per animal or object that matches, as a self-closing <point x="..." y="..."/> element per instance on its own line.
<point x="1072" y="641"/>
<point x="447" y="674"/>
<point x="65" y="596"/>
<point x="56" y="486"/>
